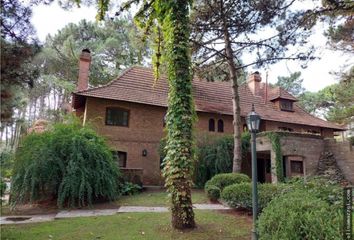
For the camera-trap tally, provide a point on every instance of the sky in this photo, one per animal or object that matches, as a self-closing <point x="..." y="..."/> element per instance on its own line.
<point x="48" y="19"/>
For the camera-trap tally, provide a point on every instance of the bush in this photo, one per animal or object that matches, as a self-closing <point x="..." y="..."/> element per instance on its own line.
<point x="321" y="187"/>
<point x="299" y="215"/>
<point x="212" y="191"/>
<point x="351" y="140"/>
<point x="69" y="163"/>
<point x="240" y="195"/>
<point x="220" y="181"/>
<point x="212" y="156"/>
<point x="129" y="188"/>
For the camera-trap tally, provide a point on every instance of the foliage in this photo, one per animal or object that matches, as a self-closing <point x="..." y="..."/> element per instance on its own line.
<point x="212" y="191"/>
<point x="114" y="46"/>
<point x="299" y="215"/>
<point x="335" y="102"/>
<point x="162" y="16"/>
<point x="240" y="195"/>
<point x="351" y="140"/>
<point x="216" y="157"/>
<point x="2" y="187"/>
<point x="6" y="162"/>
<point x="220" y="181"/>
<point x="224" y="33"/>
<point x="69" y="163"/>
<point x="129" y="188"/>
<point x="292" y="83"/>
<point x="320" y="187"/>
<point x="18" y="46"/>
<point x="274" y="138"/>
<point x="212" y="157"/>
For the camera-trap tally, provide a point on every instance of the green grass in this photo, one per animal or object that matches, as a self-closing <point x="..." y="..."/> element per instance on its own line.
<point x="155" y="226"/>
<point x="157" y="198"/>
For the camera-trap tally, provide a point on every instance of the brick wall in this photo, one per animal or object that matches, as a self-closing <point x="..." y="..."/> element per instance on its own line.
<point x="308" y="148"/>
<point x="144" y="132"/>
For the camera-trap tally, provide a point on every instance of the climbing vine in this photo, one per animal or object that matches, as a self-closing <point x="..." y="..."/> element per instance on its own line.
<point x="275" y="141"/>
<point x="170" y="21"/>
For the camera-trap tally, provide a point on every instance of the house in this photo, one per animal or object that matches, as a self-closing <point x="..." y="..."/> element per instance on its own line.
<point x="129" y="111"/>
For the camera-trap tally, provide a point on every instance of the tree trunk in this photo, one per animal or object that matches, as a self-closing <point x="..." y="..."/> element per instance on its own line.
<point x="180" y="114"/>
<point x="236" y="167"/>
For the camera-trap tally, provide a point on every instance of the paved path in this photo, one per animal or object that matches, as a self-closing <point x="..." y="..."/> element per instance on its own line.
<point x="92" y="213"/>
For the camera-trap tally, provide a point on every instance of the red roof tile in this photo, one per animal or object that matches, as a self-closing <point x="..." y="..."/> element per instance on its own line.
<point x="136" y="85"/>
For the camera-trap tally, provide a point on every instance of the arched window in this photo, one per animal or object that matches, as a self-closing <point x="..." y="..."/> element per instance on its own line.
<point x="211" y="125"/>
<point x="220" y="125"/>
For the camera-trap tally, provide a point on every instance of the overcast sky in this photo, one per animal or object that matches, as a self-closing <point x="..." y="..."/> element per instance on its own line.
<point x="48" y="19"/>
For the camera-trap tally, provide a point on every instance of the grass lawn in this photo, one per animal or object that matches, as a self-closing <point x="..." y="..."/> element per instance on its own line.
<point x="157" y="198"/>
<point x="155" y="226"/>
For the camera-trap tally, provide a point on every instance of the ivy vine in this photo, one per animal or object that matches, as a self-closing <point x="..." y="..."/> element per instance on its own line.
<point x="274" y="138"/>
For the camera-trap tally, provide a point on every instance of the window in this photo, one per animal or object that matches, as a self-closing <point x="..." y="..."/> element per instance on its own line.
<point x="117" y="117"/>
<point x="220" y="125"/>
<point x="120" y="158"/>
<point x="286" y="105"/>
<point x="211" y="125"/>
<point x="297" y="167"/>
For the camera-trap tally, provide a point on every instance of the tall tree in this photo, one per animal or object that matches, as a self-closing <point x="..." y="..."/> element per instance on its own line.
<point x="242" y="34"/>
<point x="18" y="46"/>
<point x="170" y="21"/>
<point x="292" y="83"/>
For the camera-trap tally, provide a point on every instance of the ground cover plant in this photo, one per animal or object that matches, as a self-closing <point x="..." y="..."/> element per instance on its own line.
<point x="212" y="225"/>
<point x="69" y="163"/>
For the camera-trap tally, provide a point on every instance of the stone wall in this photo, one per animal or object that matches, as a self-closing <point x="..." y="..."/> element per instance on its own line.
<point x="344" y="154"/>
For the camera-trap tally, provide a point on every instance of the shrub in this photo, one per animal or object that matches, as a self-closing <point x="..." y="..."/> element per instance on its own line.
<point x="220" y="181"/>
<point x="351" y="140"/>
<point x="299" y="215"/>
<point x="240" y="195"/>
<point x="129" y="188"/>
<point x="212" y="191"/>
<point x="212" y="157"/>
<point x="69" y="163"/>
<point x="322" y="188"/>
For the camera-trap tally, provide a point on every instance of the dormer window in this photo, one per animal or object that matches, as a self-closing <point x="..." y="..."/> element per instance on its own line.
<point x="286" y="105"/>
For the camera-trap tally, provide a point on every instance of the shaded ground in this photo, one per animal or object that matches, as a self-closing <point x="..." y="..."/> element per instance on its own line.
<point x="148" y="198"/>
<point x="212" y="225"/>
<point x="158" y="198"/>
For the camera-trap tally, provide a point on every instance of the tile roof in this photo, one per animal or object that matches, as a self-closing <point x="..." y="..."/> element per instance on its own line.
<point x="136" y="85"/>
<point x="278" y="92"/>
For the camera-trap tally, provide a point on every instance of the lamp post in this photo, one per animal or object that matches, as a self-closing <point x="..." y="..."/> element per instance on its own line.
<point x="253" y="120"/>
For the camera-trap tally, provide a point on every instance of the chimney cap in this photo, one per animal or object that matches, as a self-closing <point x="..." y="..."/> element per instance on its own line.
<point x="86" y="50"/>
<point x="256" y="72"/>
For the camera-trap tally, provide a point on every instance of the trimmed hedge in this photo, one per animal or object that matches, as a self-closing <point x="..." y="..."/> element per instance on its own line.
<point x="240" y="195"/>
<point x="299" y="215"/>
<point x="216" y="184"/>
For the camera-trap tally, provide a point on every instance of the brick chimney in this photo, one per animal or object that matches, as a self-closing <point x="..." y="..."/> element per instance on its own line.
<point x="254" y="83"/>
<point x="84" y="70"/>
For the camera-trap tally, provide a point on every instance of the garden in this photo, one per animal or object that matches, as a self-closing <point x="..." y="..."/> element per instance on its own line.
<point x="70" y="167"/>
